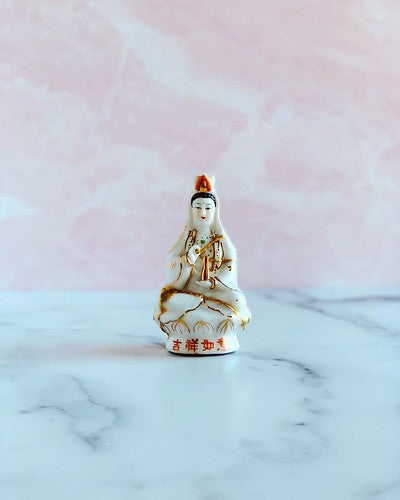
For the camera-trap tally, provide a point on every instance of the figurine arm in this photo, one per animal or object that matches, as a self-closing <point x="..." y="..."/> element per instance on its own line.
<point x="192" y="255"/>
<point x="181" y="268"/>
<point x="223" y="278"/>
<point x="226" y="275"/>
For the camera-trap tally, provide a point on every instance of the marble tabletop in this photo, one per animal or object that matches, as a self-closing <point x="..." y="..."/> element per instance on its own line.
<point x="93" y="406"/>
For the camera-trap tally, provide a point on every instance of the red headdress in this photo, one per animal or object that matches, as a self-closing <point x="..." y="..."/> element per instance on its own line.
<point x="203" y="189"/>
<point x="203" y="184"/>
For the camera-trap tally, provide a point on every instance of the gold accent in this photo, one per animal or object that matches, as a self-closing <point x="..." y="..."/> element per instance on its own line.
<point x="205" y="273"/>
<point x="247" y="322"/>
<point x="203" y="189"/>
<point x="212" y="309"/>
<point x="167" y="292"/>
<point x="226" y="304"/>
<point x="180" y="325"/>
<point x="192" y="234"/>
<point x="180" y="271"/>
<point x="188" y="280"/>
<point x="211" y="243"/>
<point x="226" y="286"/>
<point x="218" y="263"/>
<point x="164" y="328"/>
<point x="223" y="261"/>
<point x="188" y="260"/>
<point x="225" y="326"/>
<point x="184" y="314"/>
<point x="206" y="327"/>
<point x="172" y="265"/>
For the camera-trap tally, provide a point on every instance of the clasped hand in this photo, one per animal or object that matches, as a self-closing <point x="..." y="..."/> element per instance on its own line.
<point x="193" y="253"/>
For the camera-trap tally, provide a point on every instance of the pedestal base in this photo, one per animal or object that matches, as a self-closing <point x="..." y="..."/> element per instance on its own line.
<point x="202" y="345"/>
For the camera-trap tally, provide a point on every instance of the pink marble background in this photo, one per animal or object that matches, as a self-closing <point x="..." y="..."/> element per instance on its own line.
<point x="109" y="108"/>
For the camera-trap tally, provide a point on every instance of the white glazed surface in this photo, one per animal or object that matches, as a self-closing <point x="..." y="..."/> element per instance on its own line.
<point x="201" y="302"/>
<point x="93" y="406"/>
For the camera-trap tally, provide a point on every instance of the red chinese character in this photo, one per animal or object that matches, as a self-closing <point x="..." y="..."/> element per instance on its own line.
<point x="176" y="345"/>
<point x="220" y="342"/>
<point x="191" y="345"/>
<point x="207" y="345"/>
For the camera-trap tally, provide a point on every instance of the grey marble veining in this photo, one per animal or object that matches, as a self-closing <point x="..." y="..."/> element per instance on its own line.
<point x="88" y="419"/>
<point x="94" y="406"/>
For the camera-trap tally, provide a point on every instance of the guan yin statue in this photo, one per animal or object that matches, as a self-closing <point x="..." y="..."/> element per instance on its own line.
<point x="201" y="308"/>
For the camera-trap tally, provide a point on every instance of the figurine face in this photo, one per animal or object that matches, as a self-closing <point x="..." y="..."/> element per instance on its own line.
<point x="203" y="210"/>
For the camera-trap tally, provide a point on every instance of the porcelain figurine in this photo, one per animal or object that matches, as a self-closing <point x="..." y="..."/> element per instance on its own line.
<point x="201" y="308"/>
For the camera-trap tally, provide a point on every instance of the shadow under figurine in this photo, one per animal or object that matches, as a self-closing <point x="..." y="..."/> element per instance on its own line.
<point x="201" y="308"/>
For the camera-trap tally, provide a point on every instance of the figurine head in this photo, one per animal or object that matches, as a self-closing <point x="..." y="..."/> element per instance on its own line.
<point x="203" y="202"/>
